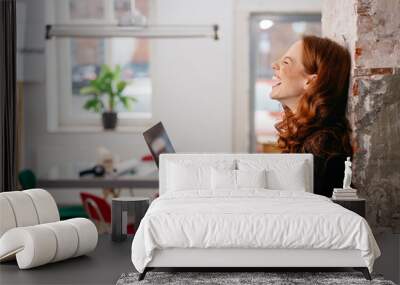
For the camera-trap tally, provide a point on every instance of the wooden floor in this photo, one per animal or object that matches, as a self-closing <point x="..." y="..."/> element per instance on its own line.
<point x="103" y="266"/>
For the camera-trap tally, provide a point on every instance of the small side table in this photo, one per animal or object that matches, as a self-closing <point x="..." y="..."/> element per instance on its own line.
<point x="123" y="207"/>
<point x="355" y="205"/>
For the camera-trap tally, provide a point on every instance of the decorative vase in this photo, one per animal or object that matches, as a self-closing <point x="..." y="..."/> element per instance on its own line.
<point x="109" y="120"/>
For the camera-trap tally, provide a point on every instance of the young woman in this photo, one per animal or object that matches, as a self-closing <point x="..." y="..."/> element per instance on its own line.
<point x="311" y="81"/>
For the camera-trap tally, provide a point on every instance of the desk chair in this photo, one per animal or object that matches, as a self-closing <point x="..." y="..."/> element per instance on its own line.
<point x="99" y="211"/>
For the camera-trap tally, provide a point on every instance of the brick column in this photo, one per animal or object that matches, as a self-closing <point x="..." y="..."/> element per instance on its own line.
<point x="371" y="31"/>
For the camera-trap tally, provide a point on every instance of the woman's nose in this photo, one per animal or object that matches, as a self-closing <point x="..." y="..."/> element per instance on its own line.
<point x="275" y="65"/>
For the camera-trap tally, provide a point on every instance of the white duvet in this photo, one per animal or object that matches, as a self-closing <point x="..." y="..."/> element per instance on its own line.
<point x="250" y="219"/>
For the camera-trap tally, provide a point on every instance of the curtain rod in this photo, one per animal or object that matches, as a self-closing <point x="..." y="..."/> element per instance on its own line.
<point x="102" y="31"/>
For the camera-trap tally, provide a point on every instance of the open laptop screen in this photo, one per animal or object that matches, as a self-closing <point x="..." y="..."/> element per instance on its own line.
<point x="158" y="141"/>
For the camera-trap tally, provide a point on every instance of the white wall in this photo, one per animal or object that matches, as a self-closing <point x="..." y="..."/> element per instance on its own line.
<point x="193" y="78"/>
<point x="192" y="93"/>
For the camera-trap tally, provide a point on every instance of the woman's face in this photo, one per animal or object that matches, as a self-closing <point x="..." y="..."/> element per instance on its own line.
<point x="290" y="78"/>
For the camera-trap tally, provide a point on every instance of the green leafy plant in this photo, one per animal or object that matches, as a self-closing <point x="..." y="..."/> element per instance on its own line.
<point x="109" y="83"/>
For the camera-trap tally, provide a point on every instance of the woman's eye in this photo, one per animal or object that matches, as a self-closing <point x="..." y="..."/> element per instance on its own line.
<point x="285" y="62"/>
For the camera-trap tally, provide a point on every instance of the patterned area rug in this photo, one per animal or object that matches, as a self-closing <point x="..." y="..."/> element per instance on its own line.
<point x="229" y="278"/>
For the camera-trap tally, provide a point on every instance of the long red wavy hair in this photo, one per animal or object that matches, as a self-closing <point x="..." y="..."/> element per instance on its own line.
<point x="319" y="124"/>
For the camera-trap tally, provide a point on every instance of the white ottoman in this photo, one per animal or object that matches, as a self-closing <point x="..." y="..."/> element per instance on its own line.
<point x="31" y="230"/>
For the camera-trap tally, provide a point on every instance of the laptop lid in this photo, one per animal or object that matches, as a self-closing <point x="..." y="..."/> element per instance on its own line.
<point x="158" y="141"/>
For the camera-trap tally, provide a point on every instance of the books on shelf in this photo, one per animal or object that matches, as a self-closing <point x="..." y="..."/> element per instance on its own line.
<point x="341" y="194"/>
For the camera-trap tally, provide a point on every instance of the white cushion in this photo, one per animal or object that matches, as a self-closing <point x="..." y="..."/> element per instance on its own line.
<point x="45" y="205"/>
<point x="280" y="163"/>
<point x="40" y="244"/>
<point x="185" y="175"/>
<point x="7" y="218"/>
<point x="26" y="208"/>
<point x="251" y="178"/>
<point x="87" y="235"/>
<point x="237" y="179"/>
<point x="34" y="244"/>
<point x="188" y="177"/>
<point x="23" y="208"/>
<point x="66" y="237"/>
<point x="281" y="174"/>
<point x="223" y="179"/>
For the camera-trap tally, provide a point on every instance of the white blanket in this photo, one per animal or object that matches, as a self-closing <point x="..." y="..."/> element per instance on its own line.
<point x="250" y="219"/>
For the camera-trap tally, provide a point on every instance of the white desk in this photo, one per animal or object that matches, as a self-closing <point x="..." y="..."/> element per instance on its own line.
<point x="67" y="176"/>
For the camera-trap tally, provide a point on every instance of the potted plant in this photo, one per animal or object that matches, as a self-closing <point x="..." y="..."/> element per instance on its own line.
<point x="107" y="83"/>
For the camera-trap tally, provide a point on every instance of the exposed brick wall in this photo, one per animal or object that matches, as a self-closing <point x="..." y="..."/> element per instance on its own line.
<point x="371" y="31"/>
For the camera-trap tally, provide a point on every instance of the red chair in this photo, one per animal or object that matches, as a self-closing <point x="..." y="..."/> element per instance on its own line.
<point x="99" y="211"/>
<point x="147" y="157"/>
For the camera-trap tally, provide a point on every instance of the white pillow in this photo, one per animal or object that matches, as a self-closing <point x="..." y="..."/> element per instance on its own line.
<point x="187" y="175"/>
<point x="223" y="179"/>
<point x="281" y="174"/>
<point x="184" y="177"/>
<point x="293" y="181"/>
<point x="251" y="178"/>
<point x="237" y="179"/>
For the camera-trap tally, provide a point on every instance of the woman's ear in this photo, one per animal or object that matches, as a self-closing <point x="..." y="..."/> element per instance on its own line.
<point x="309" y="79"/>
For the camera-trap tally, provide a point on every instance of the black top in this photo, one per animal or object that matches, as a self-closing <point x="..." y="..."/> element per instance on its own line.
<point x="329" y="157"/>
<point x="328" y="174"/>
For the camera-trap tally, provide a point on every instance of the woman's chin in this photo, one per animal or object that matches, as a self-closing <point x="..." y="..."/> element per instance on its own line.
<point x="274" y="96"/>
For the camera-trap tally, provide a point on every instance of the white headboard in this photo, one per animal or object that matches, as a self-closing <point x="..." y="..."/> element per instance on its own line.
<point x="214" y="157"/>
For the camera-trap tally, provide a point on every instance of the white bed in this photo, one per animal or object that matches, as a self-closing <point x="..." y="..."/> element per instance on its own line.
<point x="200" y="220"/>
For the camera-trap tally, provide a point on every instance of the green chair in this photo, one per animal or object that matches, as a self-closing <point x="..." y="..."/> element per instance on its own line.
<point x="72" y="211"/>
<point x="27" y="180"/>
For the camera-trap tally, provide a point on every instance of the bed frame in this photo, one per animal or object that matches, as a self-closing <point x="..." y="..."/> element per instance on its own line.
<point x="241" y="259"/>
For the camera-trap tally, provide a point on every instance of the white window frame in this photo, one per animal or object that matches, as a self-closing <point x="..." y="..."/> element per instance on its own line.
<point x="58" y="81"/>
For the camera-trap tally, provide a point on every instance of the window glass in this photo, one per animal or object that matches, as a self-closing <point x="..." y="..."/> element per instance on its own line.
<point x="273" y="35"/>
<point x="81" y="60"/>
<point x="86" y="9"/>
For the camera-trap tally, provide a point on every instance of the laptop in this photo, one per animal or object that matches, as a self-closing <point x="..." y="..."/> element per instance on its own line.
<point x="158" y="141"/>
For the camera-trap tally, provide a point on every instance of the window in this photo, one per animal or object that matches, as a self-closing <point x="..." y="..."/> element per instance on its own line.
<point x="75" y="61"/>
<point x="271" y="36"/>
